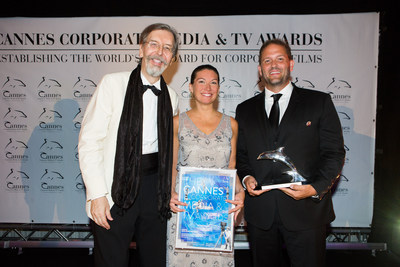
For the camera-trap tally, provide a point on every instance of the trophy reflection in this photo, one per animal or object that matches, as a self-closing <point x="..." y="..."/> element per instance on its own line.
<point x="280" y="156"/>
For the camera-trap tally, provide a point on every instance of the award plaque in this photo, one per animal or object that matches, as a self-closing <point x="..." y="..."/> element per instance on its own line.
<point x="205" y="224"/>
<point x="293" y="175"/>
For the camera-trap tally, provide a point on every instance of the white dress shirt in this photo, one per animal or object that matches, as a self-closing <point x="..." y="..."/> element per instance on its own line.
<point x="283" y="100"/>
<point x="150" y="136"/>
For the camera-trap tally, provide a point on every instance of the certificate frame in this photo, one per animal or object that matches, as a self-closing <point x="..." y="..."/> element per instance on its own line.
<point x="205" y="224"/>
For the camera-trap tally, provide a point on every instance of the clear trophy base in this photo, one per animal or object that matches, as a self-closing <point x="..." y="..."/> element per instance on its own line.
<point x="276" y="186"/>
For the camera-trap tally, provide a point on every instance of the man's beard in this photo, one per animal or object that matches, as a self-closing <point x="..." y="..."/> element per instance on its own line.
<point x="277" y="82"/>
<point x="155" y="71"/>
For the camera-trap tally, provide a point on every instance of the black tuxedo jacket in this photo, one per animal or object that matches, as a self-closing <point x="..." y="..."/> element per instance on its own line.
<point x="311" y="135"/>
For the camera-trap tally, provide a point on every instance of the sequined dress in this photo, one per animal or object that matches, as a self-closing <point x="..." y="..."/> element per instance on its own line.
<point x="197" y="149"/>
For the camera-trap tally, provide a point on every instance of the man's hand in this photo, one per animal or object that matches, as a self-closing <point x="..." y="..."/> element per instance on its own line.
<point x="251" y="184"/>
<point x="299" y="191"/>
<point x="174" y="202"/>
<point x="100" y="210"/>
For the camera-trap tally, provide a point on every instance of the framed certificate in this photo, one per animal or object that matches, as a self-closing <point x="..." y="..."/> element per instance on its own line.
<point x="206" y="224"/>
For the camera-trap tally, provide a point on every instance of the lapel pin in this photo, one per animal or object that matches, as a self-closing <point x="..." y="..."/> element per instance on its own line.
<point x="308" y="123"/>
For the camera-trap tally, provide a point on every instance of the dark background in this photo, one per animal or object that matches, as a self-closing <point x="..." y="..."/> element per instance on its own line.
<point x="386" y="220"/>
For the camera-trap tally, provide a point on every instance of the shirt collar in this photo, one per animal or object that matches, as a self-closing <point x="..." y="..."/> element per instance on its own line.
<point x="286" y="92"/>
<point x="146" y="82"/>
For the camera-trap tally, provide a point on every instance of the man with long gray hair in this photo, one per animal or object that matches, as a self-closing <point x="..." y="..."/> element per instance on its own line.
<point x="125" y="153"/>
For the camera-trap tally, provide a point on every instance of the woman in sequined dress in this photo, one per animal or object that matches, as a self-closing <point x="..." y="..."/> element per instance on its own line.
<point x="203" y="137"/>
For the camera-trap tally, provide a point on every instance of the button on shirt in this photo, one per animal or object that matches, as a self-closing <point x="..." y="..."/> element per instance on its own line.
<point x="283" y="100"/>
<point x="150" y="136"/>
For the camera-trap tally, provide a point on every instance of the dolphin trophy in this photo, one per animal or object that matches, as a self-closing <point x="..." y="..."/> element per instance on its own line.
<point x="280" y="156"/>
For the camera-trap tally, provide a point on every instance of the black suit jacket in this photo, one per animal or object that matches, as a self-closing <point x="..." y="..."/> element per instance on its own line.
<point x="311" y="135"/>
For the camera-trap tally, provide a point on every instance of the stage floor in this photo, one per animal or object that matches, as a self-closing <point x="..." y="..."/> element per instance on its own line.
<point x="64" y="257"/>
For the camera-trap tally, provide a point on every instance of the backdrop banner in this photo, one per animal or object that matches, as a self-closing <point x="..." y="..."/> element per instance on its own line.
<point x="50" y="68"/>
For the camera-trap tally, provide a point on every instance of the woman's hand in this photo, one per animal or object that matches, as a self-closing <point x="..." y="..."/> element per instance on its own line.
<point x="174" y="203"/>
<point x="238" y="202"/>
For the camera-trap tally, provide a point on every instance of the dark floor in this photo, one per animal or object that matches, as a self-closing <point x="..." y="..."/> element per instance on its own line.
<point x="63" y="257"/>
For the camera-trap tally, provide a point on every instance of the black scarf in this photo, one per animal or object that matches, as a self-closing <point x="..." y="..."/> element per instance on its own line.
<point x="128" y="154"/>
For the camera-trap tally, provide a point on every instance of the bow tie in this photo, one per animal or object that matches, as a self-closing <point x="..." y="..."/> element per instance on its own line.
<point x="153" y="88"/>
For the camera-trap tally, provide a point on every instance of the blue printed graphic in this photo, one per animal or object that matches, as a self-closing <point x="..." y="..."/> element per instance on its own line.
<point x="206" y="223"/>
